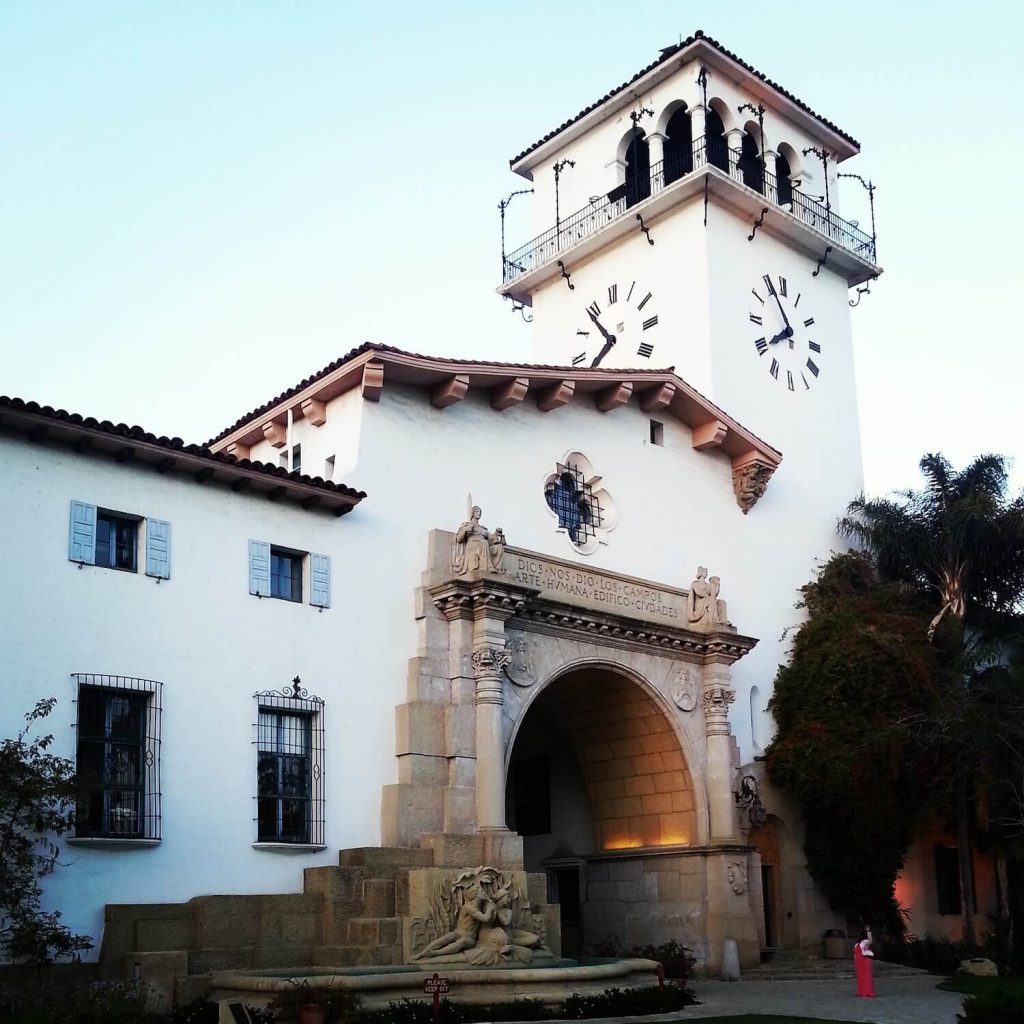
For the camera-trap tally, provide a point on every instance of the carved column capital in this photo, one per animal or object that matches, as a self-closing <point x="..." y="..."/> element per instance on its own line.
<point x="478" y="599"/>
<point x="488" y="663"/>
<point x="716" y="701"/>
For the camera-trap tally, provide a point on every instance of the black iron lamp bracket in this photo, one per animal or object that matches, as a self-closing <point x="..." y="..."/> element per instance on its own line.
<point x="821" y="262"/>
<point x="861" y="292"/>
<point x="757" y="223"/>
<point x="566" y="275"/>
<point x="707" y="178"/>
<point x="646" y="230"/>
<point x="519" y="307"/>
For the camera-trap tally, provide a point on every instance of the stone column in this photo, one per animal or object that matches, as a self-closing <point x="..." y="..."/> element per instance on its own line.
<point x="771" y="191"/>
<point x="734" y="139"/>
<point x="717" y="697"/>
<point x="488" y="663"/>
<point x="698" y="128"/>
<point x="656" y="152"/>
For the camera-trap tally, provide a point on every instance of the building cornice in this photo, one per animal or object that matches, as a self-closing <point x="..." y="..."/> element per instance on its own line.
<point x="371" y="368"/>
<point x="85" y="435"/>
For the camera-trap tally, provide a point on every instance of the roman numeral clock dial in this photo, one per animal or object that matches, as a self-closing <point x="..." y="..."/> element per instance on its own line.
<point x="622" y="319"/>
<point x="786" y="338"/>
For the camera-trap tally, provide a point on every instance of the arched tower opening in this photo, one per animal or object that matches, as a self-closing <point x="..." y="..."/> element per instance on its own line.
<point x="718" y="147"/>
<point x="678" y="145"/>
<point x="638" y="169"/>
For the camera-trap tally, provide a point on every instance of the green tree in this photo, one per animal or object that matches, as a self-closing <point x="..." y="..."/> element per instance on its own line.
<point x="37" y="792"/>
<point x="860" y="665"/>
<point x="959" y="541"/>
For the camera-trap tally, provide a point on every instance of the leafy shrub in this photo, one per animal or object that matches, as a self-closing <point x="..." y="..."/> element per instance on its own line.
<point x="999" y="1006"/>
<point x="205" y="1011"/>
<point x="676" y="959"/>
<point x="415" y="1011"/>
<point x="627" y="1002"/>
<point x="97" y="1003"/>
<point x="937" y="956"/>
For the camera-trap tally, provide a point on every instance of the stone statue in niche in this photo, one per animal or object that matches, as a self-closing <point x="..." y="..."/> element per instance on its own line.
<point x="684" y="689"/>
<point x="703" y="605"/>
<point x="478" y="920"/>
<point x="475" y="548"/>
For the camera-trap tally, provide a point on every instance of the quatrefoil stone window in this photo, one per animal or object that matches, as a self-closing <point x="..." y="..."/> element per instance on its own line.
<point x="584" y="510"/>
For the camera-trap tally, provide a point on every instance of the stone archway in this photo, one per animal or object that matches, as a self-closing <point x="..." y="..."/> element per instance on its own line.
<point x="596" y="765"/>
<point x="522" y="636"/>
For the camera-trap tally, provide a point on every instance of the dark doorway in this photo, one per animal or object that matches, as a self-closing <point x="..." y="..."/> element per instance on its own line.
<point x="783" y="186"/>
<point x="749" y="164"/>
<point x="564" y="889"/>
<point x="718" y="148"/>
<point x="768" y="898"/>
<point x="678" y="146"/>
<point x="638" y="170"/>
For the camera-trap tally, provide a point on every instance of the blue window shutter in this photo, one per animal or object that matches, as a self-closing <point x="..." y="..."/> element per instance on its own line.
<point x="158" y="549"/>
<point x="259" y="568"/>
<point x="320" y="581"/>
<point x="82" y="534"/>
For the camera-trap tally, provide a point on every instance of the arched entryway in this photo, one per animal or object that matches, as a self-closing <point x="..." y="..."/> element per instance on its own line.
<point x="596" y="768"/>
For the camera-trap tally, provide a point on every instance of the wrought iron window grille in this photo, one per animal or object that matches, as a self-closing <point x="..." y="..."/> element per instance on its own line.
<point x="117" y="723"/>
<point x="573" y="501"/>
<point x="290" y="799"/>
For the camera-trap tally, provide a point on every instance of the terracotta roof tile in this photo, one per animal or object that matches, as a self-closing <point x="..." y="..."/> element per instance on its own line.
<point x="667" y="54"/>
<point x="172" y="444"/>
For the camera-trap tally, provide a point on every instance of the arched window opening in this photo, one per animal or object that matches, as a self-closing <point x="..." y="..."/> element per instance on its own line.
<point x="783" y="186"/>
<point x="678" y="146"/>
<point x="749" y="164"/>
<point x="718" y="148"/>
<point x="638" y="170"/>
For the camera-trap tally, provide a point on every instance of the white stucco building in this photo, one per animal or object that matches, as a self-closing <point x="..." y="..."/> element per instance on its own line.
<point x="691" y="403"/>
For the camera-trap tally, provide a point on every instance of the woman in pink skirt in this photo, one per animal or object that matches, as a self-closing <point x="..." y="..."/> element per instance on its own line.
<point x="863" y="964"/>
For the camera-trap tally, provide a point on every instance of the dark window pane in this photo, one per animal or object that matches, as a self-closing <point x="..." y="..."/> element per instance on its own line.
<point x="284" y="784"/>
<point x="116" y="541"/>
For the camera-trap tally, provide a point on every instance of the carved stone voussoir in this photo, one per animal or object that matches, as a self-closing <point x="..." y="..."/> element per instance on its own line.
<point x="749" y="483"/>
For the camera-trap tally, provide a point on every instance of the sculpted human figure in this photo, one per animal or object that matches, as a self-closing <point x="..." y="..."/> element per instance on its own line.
<point x="498" y="940"/>
<point x="717" y="605"/>
<point x="700" y="602"/>
<point x="471" y="551"/>
<point x="477" y="910"/>
<point x="496" y="550"/>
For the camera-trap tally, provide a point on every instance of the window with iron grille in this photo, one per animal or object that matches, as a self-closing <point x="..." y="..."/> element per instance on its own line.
<point x="289" y="767"/>
<point x="572" y="500"/>
<point x="118" y="757"/>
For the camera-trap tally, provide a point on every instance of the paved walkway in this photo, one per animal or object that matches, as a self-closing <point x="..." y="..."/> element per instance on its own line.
<point x="899" y="1001"/>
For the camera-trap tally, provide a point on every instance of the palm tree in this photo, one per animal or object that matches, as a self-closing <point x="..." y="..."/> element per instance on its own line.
<point x="960" y="542"/>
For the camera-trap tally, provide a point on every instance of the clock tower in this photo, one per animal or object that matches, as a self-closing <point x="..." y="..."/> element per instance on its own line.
<point x="691" y="219"/>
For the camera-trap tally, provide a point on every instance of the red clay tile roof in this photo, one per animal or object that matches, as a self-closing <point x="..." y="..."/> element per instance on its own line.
<point x="667" y="54"/>
<point x="302" y="487"/>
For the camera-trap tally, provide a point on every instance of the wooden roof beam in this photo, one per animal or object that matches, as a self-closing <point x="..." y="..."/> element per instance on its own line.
<point x="504" y="396"/>
<point x="449" y="391"/>
<point x="373" y="380"/>
<point x="656" y="399"/>
<point x="614" y="397"/>
<point x="557" y="395"/>
<point x="709" y="435"/>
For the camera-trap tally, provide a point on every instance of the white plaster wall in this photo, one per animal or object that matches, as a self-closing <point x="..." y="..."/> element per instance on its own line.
<point x="597" y="149"/>
<point x="674" y="271"/>
<point x="339" y="437"/>
<point x="211" y="644"/>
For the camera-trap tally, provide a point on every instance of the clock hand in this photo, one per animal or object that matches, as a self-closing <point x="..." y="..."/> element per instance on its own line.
<point x="778" y="302"/>
<point x="610" y="338"/>
<point x="782" y="335"/>
<point x="604" y="351"/>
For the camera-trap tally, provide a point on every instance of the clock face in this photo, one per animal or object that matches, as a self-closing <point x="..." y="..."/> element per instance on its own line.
<point x="786" y="337"/>
<point x="623" y="320"/>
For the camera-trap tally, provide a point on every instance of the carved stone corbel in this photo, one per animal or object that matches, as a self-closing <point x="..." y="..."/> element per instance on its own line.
<point x="750" y="478"/>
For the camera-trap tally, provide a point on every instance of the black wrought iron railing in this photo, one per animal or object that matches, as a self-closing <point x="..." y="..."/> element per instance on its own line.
<point x="678" y="164"/>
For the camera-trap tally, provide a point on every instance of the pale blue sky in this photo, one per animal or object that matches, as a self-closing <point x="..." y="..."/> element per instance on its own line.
<point x="202" y="203"/>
